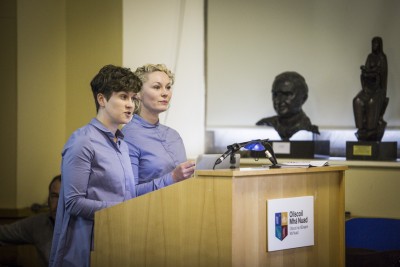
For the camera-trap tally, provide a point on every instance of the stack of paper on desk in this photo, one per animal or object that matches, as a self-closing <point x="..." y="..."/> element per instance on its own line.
<point x="305" y="164"/>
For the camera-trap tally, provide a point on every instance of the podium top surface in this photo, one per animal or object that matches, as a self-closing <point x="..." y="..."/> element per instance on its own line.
<point x="255" y="171"/>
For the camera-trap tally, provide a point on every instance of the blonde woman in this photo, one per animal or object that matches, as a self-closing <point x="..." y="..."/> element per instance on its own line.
<point x="157" y="152"/>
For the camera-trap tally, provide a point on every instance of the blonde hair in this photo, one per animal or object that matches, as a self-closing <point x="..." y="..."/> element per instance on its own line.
<point x="143" y="71"/>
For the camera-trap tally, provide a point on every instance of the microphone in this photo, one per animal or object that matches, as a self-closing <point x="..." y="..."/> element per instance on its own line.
<point x="223" y="156"/>
<point x="272" y="159"/>
<point x="249" y="145"/>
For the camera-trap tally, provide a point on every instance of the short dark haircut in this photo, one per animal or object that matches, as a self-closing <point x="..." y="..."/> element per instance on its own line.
<point x="114" y="79"/>
<point x="55" y="178"/>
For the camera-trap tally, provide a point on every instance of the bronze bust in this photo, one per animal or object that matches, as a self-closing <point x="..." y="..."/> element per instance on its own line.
<point x="369" y="105"/>
<point x="289" y="93"/>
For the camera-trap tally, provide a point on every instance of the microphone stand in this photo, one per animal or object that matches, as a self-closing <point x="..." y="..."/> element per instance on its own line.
<point x="271" y="156"/>
<point x="232" y="149"/>
<point x="233" y="160"/>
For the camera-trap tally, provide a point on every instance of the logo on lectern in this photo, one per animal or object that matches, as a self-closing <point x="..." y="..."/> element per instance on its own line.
<point x="281" y="225"/>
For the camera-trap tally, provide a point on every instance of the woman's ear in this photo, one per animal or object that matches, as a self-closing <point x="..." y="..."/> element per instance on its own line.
<point x="138" y="96"/>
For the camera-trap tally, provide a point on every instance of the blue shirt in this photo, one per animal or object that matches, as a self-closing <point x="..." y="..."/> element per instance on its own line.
<point x="155" y="150"/>
<point x="96" y="174"/>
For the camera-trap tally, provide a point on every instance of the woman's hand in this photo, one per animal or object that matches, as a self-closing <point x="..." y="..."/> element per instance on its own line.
<point x="183" y="171"/>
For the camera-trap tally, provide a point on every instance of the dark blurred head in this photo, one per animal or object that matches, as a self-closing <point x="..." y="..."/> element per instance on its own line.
<point x="54" y="193"/>
<point x="377" y="45"/>
<point x="114" y="79"/>
<point x="289" y="92"/>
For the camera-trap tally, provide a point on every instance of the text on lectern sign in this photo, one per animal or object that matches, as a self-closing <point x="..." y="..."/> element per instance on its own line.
<point x="290" y="223"/>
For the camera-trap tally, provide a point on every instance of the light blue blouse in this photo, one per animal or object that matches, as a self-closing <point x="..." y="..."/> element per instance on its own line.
<point x="155" y="150"/>
<point x="96" y="173"/>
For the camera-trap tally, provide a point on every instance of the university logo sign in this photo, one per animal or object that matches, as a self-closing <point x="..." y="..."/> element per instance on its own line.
<point x="281" y="225"/>
<point x="290" y="222"/>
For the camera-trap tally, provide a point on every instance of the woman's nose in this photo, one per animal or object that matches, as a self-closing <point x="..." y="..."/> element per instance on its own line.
<point x="164" y="92"/>
<point x="130" y="103"/>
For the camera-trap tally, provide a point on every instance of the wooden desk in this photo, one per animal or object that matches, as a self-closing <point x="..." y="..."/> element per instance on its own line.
<point x="218" y="218"/>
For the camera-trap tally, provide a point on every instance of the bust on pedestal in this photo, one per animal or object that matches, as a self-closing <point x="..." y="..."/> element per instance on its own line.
<point x="289" y="93"/>
<point x="369" y="106"/>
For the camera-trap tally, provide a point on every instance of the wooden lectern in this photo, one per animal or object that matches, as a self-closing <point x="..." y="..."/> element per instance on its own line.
<point x="218" y="218"/>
